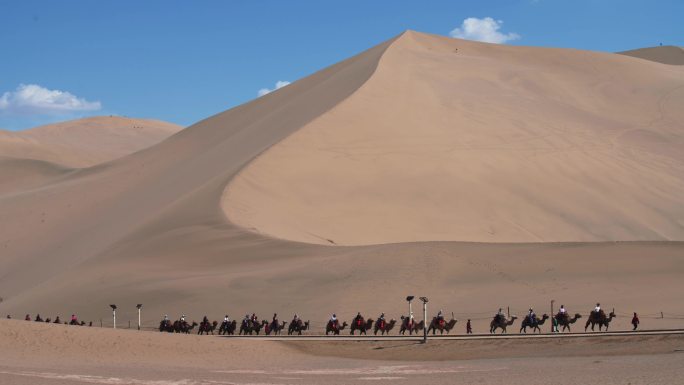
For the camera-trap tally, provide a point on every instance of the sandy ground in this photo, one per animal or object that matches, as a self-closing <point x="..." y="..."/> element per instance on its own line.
<point x="669" y="54"/>
<point x="57" y="354"/>
<point x="84" y="142"/>
<point x="452" y="140"/>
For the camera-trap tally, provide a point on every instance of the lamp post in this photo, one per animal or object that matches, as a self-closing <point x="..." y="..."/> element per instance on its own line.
<point x="409" y="299"/>
<point x="139" y="306"/>
<point x="113" y="314"/>
<point x="553" y="318"/>
<point x="425" y="325"/>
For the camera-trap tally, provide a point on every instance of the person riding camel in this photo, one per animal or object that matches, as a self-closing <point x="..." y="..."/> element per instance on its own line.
<point x="562" y="313"/>
<point x="358" y="320"/>
<point x="27" y="318"/>
<point x="57" y="320"/>
<point x="205" y="320"/>
<point x="500" y="316"/>
<point x="597" y="309"/>
<point x="182" y="318"/>
<point x="334" y="323"/>
<point x="381" y="320"/>
<point x="38" y="319"/>
<point x="440" y="317"/>
<point x="74" y="320"/>
<point x="531" y="316"/>
<point x="254" y="318"/>
<point x="226" y="319"/>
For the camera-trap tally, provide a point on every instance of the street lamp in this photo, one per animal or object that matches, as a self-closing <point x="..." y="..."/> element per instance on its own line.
<point x="409" y="299"/>
<point x="425" y="325"/>
<point x="113" y="314"/>
<point x="139" y="306"/>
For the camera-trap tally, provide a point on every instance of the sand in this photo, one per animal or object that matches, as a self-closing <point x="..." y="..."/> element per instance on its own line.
<point x="84" y="142"/>
<point x="151" y="228"/>
<point x="668" y="54"/>
<point x="452" y="140"/>
<point x="58" y="354"/>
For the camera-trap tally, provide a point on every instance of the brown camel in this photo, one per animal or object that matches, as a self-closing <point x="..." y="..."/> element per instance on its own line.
<point x="441" y="326"/>
<point x="501" y="323"/>
<point x="361" y="325"/>
<point x="383" y="327"/>
<point x="335" y="329"/>
<point x="565" y="321"/>
<point x="227" y="327"/>
<point x="297" y="327"/>
<point x="599" y="319"/>
<point x="415" y="327"/>
<point x="274" y="328"/>
<point x="527" y="323"/>
<point x="207" y="327"/>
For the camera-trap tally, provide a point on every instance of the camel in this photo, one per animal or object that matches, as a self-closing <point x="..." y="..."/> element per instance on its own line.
<point x="335" y="330"/>
<point x="166" y="326"/>
<point x="274" y="327"/>
<point x="499" y="323"/>
<point x="207" y="327"/>
<point x="599" y="319"/>
<point x="414" y="328"/>
<point x="526" y="323"/>
<point x="566" y="321"/>
<point x="383" y="327"/>
<point x="227" y="327"/>
<point x="297" y="327"/>
<point x="441" y="326"/>
<point x="183" y="327"/>
<point x="361" y="325"/>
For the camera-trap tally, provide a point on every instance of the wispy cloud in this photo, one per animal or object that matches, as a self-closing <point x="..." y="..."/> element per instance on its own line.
<point x="32" y="99"/>
<point x="279" y="84"/>
<point x="486" y="30"/>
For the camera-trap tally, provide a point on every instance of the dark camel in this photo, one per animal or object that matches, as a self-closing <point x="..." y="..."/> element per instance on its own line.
<point x="275" y="328"/>
<point x="297" y="327"/>
<point x="207" y="327"/>
<point x="566" y="321"/>
<point x="527" y="323"/>
<point x="383" y="326"/>
<point x="599" y="319"/>
<point x="361" y="325"/>
<point x="415" y="328"/>
<point x="227" y="327"/>
<point x="335" y="329"/>
<point x="501" y="323"/>
<point x="443" y="326"/>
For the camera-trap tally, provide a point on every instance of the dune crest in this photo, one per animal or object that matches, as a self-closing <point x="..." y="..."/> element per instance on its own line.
<point x="453" y="140"/>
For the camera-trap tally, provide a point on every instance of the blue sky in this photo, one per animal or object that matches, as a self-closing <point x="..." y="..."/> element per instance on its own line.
<point x="184" y="61"/>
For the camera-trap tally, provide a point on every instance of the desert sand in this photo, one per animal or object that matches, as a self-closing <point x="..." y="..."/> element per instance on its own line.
<point x="57" y="354"/>
<point x="668" y="54"/>
<point x="84" y="142"/>
<point x="205" y="223"/>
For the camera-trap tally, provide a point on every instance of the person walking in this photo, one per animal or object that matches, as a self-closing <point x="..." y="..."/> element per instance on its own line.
<point x="635" y="321"/>
<point x="469" y="328"/>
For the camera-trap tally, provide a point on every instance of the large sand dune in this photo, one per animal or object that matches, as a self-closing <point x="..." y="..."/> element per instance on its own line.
<point x="668" y="54"/>
<point x="464" y="141"/>
<point x="85" y="142"/>
<point x="149" y="227"/>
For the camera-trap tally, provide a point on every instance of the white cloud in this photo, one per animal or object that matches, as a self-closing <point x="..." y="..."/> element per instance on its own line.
<point x="32" y="99"/>
<point x="486" y="30"/>
<point x="279" y="84"/>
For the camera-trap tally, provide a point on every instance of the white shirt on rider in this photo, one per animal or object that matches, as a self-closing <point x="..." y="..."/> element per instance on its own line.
<point x="597" y="309"/>
<point x="562" y="310"/>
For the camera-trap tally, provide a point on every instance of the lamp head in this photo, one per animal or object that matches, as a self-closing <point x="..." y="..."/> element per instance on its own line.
<point x="424" y="299"/>
<point x="139" y="306"/>
<point x="410" y="298"/>
<point x="113" y="307"/>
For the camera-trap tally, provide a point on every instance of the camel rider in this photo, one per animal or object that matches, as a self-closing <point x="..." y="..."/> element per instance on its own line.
<point x="205" y="320"/>
<point x="500" y="316"/>
<point x="333" y="320"/>
<point x="254" y="318"/>
<point x="440" y="317"/>
<point x="381" y="320"/>
<point x="38" y="319"/>
<point x="74" y="320"/>
<point x="246" y="320"/>
<point x="531" y="316"/>
<point x="275" y="318"/>
<point x="597" y="309"/>
<point x="182" y="319"/>
<point x="358" y="318"/>
<point x="226" y="319"/>
<point x="562" y="313"/>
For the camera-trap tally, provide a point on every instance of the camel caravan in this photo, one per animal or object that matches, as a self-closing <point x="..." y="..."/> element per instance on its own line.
<point x="251" y="325"/>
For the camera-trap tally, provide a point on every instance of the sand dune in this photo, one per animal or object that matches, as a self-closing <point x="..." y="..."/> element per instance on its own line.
<point x="149" y="227"/>
<point x="85" y="142"/>
<point x="463" y="141"/>
<point x="668" y="54"/>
